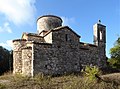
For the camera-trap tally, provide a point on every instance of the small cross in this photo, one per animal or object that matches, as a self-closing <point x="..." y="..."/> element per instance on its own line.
<point x="99" y="21"/>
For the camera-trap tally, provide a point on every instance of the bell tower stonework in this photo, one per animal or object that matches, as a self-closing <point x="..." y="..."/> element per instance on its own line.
<point x="100" y="41"/>
<point x="99" y="33"/>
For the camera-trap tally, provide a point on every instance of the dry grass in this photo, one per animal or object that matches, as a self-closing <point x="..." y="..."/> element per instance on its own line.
<point x="8" y="81"/>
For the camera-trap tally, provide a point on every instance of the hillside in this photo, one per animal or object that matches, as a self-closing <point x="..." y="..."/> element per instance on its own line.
<point x="109" y="81"/>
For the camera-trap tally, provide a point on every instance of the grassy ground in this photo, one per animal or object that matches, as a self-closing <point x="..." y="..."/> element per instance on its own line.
<point x="110" y="81"/>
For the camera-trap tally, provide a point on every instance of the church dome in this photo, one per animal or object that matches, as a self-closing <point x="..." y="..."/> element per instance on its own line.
<point x="48" y="22"/>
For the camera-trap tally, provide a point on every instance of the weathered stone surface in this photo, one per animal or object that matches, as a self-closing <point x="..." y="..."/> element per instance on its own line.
<point x="48" y="22"/>
<point x="27" y="61"/>
<point x="57" y="51"/>
<point x="17" y="54"/>
<point x="32" y="37"/>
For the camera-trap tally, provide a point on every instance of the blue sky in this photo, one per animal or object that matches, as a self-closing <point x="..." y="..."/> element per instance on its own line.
<point x="18" y="16"/>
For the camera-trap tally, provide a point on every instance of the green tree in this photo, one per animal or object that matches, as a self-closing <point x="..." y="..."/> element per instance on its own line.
<point x="115" y="54"/>
<point x="5" y="60"/>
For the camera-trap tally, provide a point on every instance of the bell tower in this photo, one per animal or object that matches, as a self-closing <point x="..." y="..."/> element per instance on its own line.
<point x="100" y="41"/>
<point x="99" y="34"/>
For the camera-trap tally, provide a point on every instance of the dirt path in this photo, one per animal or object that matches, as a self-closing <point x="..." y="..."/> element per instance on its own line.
<point x="114" y="77"/>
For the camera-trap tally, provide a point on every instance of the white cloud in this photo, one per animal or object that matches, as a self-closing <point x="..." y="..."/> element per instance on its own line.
<point x="8" y="44"/>
<point x="68" y="21"/>
<point x="5" y="28"/>
<point x="18" y="11"/>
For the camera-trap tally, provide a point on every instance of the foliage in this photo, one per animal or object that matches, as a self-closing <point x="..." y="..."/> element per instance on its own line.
<point x="2" y="86"/>
<point x="91" y="72"/>
<point x="115" y="55"/>
<point x="5" y="58"/>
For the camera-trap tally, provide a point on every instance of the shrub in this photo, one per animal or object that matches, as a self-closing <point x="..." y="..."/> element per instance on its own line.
<point x="2" y="86"/>
<point x="91" y="71"/>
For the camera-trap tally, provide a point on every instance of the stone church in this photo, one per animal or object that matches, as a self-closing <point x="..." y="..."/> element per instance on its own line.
<point x="56" y="49"/>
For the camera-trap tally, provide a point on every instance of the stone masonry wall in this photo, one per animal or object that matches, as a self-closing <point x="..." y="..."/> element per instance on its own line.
<point x="92" y="55"/>
<point x="36" y="39"/>
<point x="33" y="38"/>
<point x="48" y="38"/>
<point x="88" y="54"/>
<point x="17" y="62"/>
<point x="65" y="55"/>
<point x="59" y="57"/>
<point x="27" y="61"/>
<point x="102" y="55"/>
<point x="49" y="60"/>
<point x="17" y="55"/>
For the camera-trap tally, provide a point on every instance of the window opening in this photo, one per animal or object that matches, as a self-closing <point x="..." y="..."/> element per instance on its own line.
<point x="66" y="37"/>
